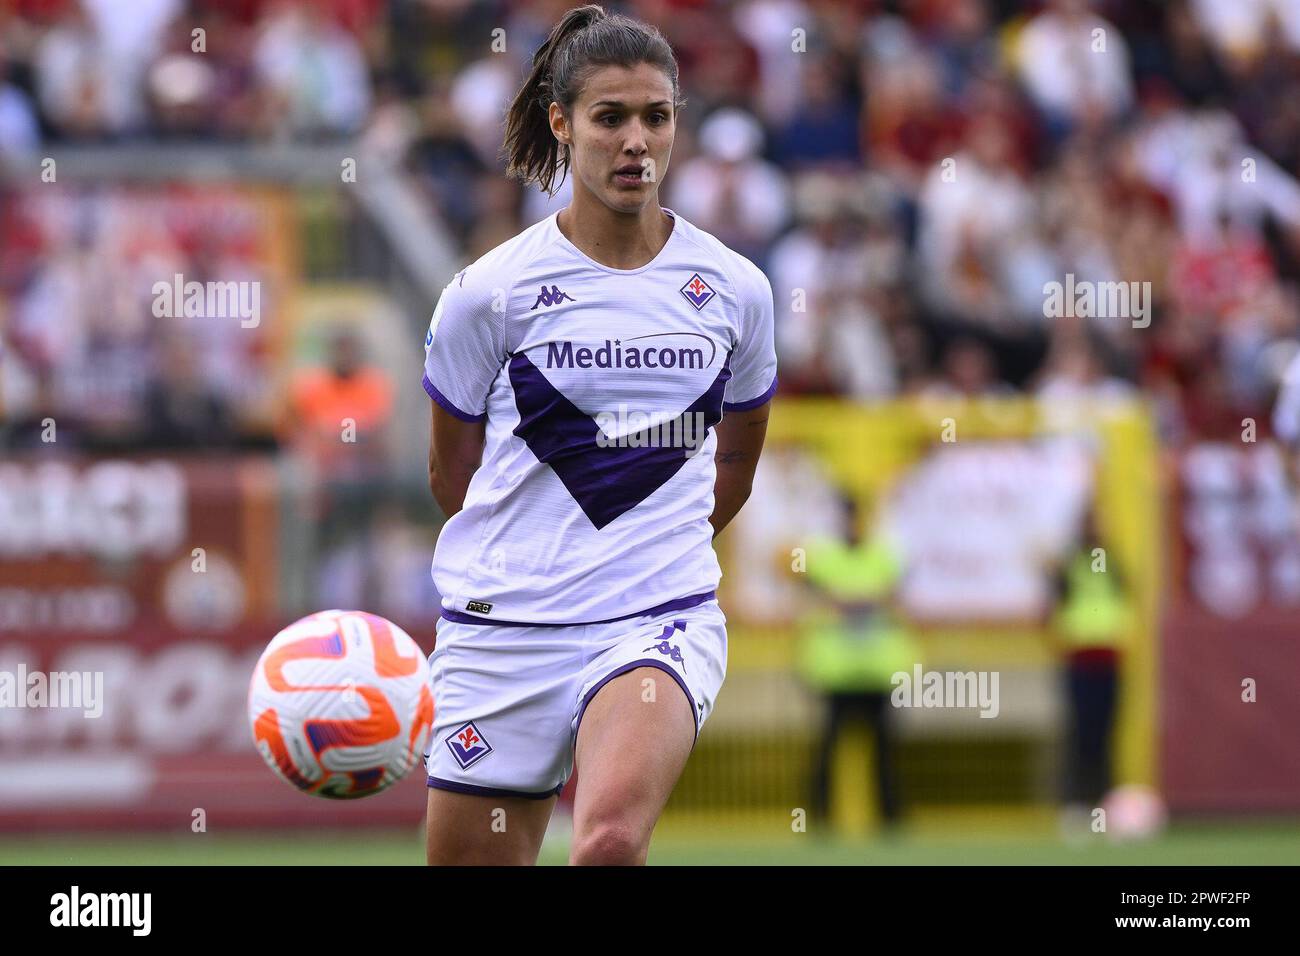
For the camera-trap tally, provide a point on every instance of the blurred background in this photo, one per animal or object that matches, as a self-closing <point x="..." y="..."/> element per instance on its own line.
<point x="1081" y="506"/>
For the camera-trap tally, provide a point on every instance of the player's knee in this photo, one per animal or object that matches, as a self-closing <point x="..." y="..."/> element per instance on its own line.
<point x="613" y="842"/>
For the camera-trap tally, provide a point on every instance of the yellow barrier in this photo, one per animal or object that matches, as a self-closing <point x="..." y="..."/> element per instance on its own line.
<point x="754" y="759"/>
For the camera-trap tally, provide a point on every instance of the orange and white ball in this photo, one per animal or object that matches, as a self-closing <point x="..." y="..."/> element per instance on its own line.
<point x="340" y="704"/>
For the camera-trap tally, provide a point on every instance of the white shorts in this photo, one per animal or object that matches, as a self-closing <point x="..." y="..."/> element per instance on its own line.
<point x="508" y="699"/>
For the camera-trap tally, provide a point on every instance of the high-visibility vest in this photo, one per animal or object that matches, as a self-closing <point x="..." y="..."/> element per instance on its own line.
<point x="839" y="652"/>
<point x="866" y="572"/>
<point x="836" y="658"/>
<point x="1094" y="612"/>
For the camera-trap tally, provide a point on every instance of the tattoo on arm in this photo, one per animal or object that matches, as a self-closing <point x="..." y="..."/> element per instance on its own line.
<point x="730" y="457"/>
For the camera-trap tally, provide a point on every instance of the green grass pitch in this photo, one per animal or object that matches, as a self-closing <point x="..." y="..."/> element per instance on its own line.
<point x="1273" y="843"/>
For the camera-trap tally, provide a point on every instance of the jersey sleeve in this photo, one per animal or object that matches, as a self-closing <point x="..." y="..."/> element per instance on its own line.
<point x="464" y="348"/>
<point x="753" y="362"/>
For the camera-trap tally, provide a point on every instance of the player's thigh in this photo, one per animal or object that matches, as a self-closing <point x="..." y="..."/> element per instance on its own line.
<point x="473" y="830"/>
<point x="631" y="748"/>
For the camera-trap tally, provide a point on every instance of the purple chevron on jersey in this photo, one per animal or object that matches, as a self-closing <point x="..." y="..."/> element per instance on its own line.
<point x="605" y="481"/>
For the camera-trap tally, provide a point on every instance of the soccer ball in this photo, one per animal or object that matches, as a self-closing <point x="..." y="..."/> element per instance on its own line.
<point x="340" y="704"/>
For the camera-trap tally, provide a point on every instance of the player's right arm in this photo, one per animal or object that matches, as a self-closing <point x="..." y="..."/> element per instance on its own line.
<point x="464" y="351"/>
<point x="455" y="451"/>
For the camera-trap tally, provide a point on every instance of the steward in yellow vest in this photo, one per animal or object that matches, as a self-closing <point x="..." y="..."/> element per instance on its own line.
<point x="1092" y="619"/>
<point x="852" y="646"/>
<point x="1093" y="612"/>
<point x="852" y="641"/>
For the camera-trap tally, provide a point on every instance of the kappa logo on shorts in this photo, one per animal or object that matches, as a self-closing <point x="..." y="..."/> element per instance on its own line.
<point x="673" y="651"/>
<point x="468" y="746"/>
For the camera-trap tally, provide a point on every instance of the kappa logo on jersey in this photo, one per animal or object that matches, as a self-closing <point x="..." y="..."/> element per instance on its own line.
<point x="468" y="746"/>
<point x="672" y="651"/>
<point x="697" y="292"/>
<point x="553" y="297"/>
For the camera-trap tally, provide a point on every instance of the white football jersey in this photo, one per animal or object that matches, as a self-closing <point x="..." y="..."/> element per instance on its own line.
<point x="600" y="388"/>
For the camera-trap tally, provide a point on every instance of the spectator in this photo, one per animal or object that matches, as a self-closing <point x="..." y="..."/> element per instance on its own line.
<point x="1161" y="146"/>
<point x="973" y="213"/>
<point x="729" y="190"/>
<point x="827" y="276"/>
<point x="181" y="411"/>
<point x="1075" y="66"/>
<point x="342" y="411"/>
<point x="447" y="162"/>
<point x="1239" y="29"/>
<point x="970" y="370"/>
<point x="341" y="415"/>
<point x="20" y="134"/>
<point x="315" y="76"/>
<point x="72" y="80"/>
<point x="824" y="133"/>
<point x="911" y="125"/>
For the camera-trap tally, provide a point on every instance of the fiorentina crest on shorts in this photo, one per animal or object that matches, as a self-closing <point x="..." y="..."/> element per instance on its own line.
<point x="697" y="292"/>
<point x="467" y="745"/>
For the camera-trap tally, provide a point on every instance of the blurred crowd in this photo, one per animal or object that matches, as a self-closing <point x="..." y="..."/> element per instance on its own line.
<point x="911" y="174"/>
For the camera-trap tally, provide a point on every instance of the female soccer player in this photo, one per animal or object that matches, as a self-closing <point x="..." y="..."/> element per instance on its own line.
<point x="579" y="375"/>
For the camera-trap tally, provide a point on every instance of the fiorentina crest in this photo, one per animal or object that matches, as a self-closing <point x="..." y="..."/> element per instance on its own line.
<point x="697" y="292"/>
<point x="467" y="745"/>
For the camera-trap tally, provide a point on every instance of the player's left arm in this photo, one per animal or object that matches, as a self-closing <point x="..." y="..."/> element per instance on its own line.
<point x="740" y="442"/>
<point x="748" y="395"/>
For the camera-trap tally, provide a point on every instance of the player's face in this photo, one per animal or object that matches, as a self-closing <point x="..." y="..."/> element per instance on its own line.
<point x="621" y="134"/>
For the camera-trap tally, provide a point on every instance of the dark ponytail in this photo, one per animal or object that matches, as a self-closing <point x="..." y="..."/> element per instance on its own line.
<point x="586" y="37"/>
